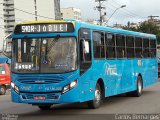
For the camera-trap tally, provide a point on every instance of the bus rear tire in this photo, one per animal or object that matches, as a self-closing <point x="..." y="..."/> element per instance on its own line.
<point x="139" y="88"/>
<point x="93" y="104"/>
<point x="46" y="107"/>
<point x="2" y="90"/>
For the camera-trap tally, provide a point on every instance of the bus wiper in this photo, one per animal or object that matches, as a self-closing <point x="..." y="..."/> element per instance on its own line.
<point x="45" y="61"/>
<point x="52" y="44"/>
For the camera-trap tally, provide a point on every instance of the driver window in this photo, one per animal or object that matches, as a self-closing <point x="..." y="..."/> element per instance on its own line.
<point x="85" y="45"/>
<point x="85" y="49"/>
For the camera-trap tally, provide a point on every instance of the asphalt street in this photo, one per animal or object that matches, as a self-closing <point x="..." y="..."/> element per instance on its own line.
<point x="148" y="103"/>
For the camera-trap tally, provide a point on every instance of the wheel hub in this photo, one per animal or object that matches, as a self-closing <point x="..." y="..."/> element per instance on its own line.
<point x="97" y="96"/>
<point x="139" y="87"/>
<point x="2" y="90"/>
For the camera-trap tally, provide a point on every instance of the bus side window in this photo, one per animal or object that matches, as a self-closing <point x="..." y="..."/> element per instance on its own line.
<point x="110" y="45"/>
<point x="138" y="48"/>
<point x="85" y="41"/>
<point x="146" y="48"/>
<point x="120" y="46"/>
<point x="130" y="46"/>
<point x="98" y="42"/>
<point x="85" y="49"/>
<point x="152" y="48"/>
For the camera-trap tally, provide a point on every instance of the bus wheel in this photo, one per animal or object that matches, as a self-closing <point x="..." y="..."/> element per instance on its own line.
<point x="47" y="107"/>
<point x="93" y="104"/>
<point x="2" y="90"/>
<point x="138" y="91"/>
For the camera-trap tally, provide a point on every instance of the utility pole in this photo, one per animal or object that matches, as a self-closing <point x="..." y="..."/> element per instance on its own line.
<point x="99" y="8"/>
<point x="57" y="9"/>
<point x="35" y="8"/>
<point x="152" y="17"/>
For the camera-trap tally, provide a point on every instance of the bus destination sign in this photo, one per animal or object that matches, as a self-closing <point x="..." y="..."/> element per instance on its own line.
<point x="44" y="28"/>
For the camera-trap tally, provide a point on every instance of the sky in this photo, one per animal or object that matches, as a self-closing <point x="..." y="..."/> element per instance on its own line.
<point x="135" y="10"/>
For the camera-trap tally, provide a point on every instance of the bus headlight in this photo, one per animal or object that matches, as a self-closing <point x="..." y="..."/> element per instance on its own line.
<point x="16" y="89"/>
<point x="65" y="89"/>
<point x="69" y="86"/>
<point x="12" y="85"/>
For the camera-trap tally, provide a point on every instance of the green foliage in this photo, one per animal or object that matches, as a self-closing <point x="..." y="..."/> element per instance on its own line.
<point x="149" y="27"/>
<point x="146" y="27"/>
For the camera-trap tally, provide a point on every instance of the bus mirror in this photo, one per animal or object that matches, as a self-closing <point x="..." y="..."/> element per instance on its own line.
<point x="85" y="46"/>
<point x="84" y="49"/>
<point x="7" y="43"/>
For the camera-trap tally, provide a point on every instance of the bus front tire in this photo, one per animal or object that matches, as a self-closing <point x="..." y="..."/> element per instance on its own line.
<point x="2" y="90"/>
<point x="47" y="107"/>
<point x="93" y="104"/>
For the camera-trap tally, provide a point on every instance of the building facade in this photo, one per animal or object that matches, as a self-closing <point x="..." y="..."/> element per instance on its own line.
<point x="71" y="12"/>
<point x="13" y="12"/>
<point x="9" y="16"/>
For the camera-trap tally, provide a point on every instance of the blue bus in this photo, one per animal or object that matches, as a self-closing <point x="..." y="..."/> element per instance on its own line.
<point x="68" y="61"/>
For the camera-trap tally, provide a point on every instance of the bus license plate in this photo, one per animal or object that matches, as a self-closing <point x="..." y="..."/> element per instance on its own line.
<point x="39" y="97"/>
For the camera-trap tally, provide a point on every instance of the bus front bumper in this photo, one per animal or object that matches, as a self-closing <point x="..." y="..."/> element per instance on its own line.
<point x="46" y="98"/>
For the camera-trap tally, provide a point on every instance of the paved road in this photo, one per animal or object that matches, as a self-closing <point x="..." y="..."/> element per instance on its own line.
<point x="149" y="102"/>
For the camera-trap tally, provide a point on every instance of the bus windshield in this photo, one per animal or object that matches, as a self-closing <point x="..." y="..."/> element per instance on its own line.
<point x="44" y="55"/>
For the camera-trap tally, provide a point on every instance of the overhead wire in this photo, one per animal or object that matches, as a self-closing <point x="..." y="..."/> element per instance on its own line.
<point x="32" y="13"/>
<point x="128" y="11"/>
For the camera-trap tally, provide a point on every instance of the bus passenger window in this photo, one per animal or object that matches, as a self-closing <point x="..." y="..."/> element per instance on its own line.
<point x="120" y="46"/>
<point x="138" y="48"/>
<point x="98" y="41"/>
<point x="152" y="48"/>
<point x="146" y="48"/>
<point x="110" y="45"/>
<point x="130" y="46"/>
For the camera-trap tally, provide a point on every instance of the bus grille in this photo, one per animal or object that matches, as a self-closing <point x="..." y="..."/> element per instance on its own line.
<point x="40" y="80"/>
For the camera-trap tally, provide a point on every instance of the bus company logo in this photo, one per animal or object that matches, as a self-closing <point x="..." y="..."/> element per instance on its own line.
<point x="40" y="88"/>
<point x="26" y="88"/>
<point x="111" y="69"/>
<point x="140" y="63"/>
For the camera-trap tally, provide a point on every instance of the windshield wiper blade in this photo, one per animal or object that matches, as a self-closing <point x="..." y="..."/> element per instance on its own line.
<point x="52" y="44"/>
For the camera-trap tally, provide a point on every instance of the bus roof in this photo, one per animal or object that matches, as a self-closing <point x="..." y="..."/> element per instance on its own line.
<point x="95" y="27"/>
<point x="117" y="30"/>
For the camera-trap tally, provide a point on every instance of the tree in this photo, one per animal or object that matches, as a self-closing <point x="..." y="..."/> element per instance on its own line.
<point x="149" y="27"/>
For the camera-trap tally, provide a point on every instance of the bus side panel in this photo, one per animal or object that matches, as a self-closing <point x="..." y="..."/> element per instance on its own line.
<point x="120" y="77"/>
<point x="127" y="75"/>
<point x="88" y="83"/>
<point x="149" y="72"/>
